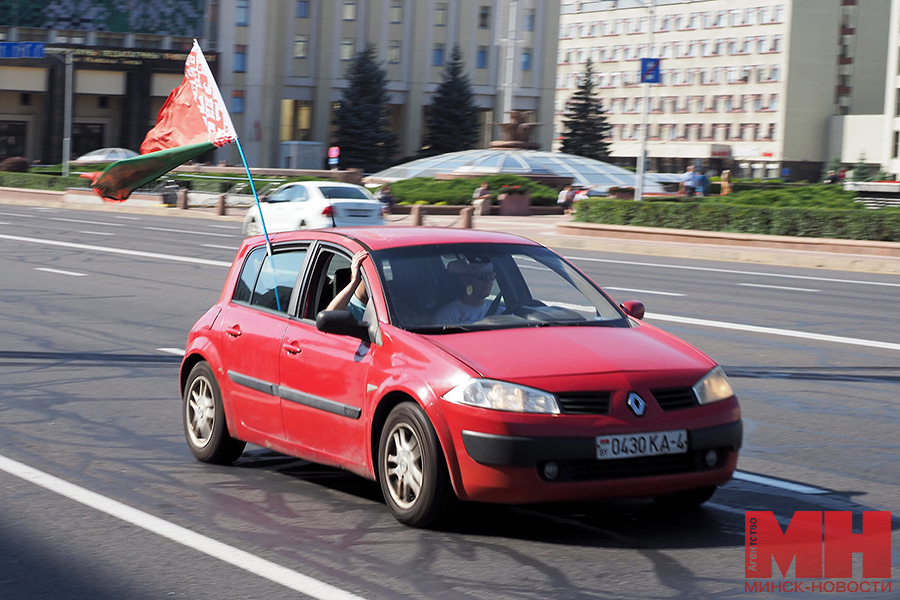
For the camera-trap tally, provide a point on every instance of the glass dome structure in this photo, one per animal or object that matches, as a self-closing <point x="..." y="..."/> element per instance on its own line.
<point x="585" y="171"/>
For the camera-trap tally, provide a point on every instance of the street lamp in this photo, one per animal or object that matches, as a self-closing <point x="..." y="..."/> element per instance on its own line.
<point x="645" y="107"/>
<point x="67" y="111"/>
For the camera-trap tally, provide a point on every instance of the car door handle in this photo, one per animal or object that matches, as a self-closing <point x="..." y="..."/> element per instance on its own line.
<point x="292" y="347"/>
<point x="233" y="331"/>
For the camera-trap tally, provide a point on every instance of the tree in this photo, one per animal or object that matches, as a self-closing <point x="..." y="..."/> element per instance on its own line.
<point x="586" y="132"/>
<point x="362" y="117"/>
<point x="453" y="118"/>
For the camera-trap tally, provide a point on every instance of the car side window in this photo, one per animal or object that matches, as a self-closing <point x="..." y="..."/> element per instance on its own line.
<point x="299" y="194"/>
<point x="282" y="195"/>
<point x="330" y="275"/>
<point x="249" y="273"/>
<point x="276" y="280"/>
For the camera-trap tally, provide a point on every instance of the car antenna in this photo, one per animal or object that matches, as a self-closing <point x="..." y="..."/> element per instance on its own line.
<point x="261" y="220"/>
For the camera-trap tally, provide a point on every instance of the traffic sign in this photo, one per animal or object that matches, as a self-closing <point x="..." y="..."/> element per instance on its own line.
<point x="334" y="152"/>
<point x="650" y="70"/>
<point x="332" y="161"/>
<point x="21" y="49"/>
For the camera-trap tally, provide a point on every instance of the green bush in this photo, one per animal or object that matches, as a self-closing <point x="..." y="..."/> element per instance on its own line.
<point x="37" y="181"/>
<point x="854" y="224"/>
<point x="459" y="191"/>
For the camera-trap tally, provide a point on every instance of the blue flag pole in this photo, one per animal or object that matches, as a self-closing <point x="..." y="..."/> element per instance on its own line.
<point x="261" y="219"/>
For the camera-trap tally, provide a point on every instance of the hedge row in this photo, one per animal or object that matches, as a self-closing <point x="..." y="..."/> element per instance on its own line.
<point x="880" y="225"/>
<point x="459" y="191"/>
<point x="37" y="181"/>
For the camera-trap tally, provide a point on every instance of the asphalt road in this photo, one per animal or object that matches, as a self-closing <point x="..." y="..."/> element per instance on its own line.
<point x="101" y="498"/>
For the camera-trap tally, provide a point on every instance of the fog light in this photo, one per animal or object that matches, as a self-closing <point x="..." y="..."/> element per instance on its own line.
<point x="551" y="470"/>
<point x="712" y="457"/>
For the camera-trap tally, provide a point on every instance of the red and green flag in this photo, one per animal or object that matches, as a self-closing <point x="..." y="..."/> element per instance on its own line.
<point x="192" y="121"/>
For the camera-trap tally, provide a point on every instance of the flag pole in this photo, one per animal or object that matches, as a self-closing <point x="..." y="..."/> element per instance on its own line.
<point x="237" y="141"/>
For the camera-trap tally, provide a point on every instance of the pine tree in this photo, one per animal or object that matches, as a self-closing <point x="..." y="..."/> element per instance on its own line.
<point x="453" y="117"/>
<point x="362" y="117"/>
<point x="586" y="132"/>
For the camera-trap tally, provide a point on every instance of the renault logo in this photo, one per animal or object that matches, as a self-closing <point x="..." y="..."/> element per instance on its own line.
<point x="636" y="404"/>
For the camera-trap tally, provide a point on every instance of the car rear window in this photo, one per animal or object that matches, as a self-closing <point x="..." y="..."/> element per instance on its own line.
<point x="343" y="193"/>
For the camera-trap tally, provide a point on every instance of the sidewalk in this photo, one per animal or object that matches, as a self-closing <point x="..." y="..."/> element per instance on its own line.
<point x="560" y="231"/>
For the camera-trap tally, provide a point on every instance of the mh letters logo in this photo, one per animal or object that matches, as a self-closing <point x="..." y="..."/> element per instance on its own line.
<point x="821" y="547"/>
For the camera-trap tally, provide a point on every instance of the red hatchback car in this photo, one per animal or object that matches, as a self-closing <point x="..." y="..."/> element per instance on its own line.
<point x="453" y="364"/>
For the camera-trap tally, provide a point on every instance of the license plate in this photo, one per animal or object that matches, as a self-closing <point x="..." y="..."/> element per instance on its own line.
<point x="358" y="212"/>
<point x="632" y="445"/>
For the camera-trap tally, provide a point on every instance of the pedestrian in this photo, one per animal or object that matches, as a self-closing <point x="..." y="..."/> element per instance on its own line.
<point x="702" y="183"/>
<point x="387" y="198"/>
<point x="725" y="183"/>
<point x="481" y="199"/>
<point x="689" y="180"/>
<point x="565" y="198"/>
<point x="832" y="177"/>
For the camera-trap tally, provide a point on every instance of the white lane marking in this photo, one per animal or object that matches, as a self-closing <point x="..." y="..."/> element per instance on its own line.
<point x="733" y="271"/>
<point x="85" y="222"/>
<point x="6" y="214"/>
<point x="58" y="272"/>
<point x="47" y="209"/>
<point x="232" y="248"/>
<point x="191" y="539"/>
<point x="774" y="331"/>
<point x="172" y="257"/>
<point x="129" y="218"/>
<point x="785" y="485"/>
<point x="188" y="232"/>
<point x="779" y="287"/>
<point x="175" y="351"/>
<point x="225" y="226"/>
<point x="619" y="289"/>
<point x="97" y="232"/>
<point x="4" y="223"/>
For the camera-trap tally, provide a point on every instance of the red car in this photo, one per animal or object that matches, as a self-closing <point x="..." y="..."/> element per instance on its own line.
<point x="453" y="364"/>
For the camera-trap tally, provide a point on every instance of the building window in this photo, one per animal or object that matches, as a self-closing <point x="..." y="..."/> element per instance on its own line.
<point x="347" y="48"/>
<point x="481" y="57"/>
<point x="773" y="102"/>
<point x="240" y="58"/>
<point x="242" y="13"/>
<point x="894" y="152"/>
<point x="773" y="73"/>
<point x="393" y="54"/>
<point x="440" y="14"/>
<point x="349" y="11"/>
<point x="438" y="56"/>
<point x="529" y="20"/>
<point x="301" y="46"/>
<point x="526" y="59"/>
<point x="302" y="9"/>
<point x="484" y="17"/>
<point x="396" y="11"/>
<point x="237" y="102"/>
<point x="776" y="43"/>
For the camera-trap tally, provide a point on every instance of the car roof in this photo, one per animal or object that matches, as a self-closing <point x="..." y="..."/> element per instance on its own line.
<point x="382" y="237"/>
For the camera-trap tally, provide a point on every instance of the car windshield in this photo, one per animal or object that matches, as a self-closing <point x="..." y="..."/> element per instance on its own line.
<point x="340" y="192"/>
<point x="450" y="288"/>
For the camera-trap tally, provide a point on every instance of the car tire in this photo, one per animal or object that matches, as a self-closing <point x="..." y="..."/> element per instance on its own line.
<point x="412" y="471"/>
<point x="204" y="419"/>
<point x="686" y="499"/>
<point x="251" y="228"/>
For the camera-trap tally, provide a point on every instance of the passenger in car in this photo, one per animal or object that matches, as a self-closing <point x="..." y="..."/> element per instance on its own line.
<point x="477" y="276"/>
<point x="354" y="296"/>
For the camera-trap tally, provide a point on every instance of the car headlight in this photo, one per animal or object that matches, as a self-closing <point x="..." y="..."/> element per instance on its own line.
<point x="713" y="387"/>
<point x="500" y="395"/>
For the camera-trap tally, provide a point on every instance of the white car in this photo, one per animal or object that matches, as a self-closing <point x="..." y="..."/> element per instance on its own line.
<point x="313" y="205"/>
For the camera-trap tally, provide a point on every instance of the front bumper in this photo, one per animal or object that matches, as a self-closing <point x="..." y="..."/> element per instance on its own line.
<point x="511" y="469"/>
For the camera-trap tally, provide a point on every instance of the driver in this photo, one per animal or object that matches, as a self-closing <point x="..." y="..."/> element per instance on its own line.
<point x="477" y="276"/>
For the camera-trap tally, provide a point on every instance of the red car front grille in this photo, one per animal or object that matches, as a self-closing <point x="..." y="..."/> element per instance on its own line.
<point x="583" y="403"/>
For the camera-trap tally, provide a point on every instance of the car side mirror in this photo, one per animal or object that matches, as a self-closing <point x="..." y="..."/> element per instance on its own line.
<point x="341" y="322"/>
<point x="633" y="308"/>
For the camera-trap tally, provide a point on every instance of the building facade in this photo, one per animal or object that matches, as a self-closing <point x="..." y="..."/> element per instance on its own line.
<point x="125" y="62"/>
<point x="283" y="63"/>
<point x="746" y="85"/>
